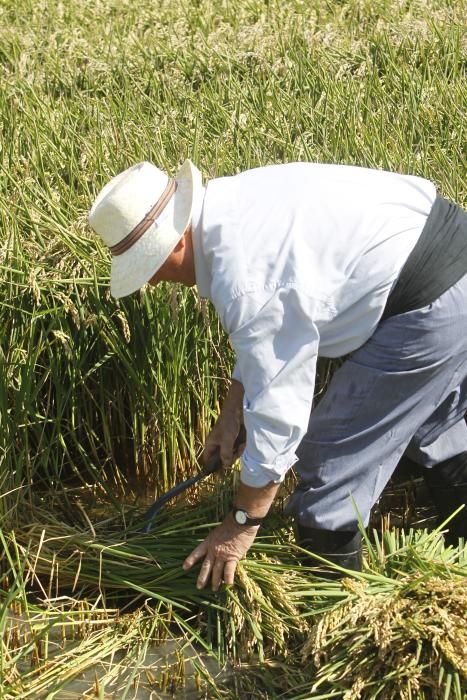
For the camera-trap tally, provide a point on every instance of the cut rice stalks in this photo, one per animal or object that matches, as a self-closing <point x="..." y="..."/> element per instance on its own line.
<point x="400" y="633"/>
<point x="396" y="630"/>
<point x="258" y="617"/>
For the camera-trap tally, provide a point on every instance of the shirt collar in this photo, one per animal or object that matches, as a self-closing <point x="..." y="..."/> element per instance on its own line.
<point x="203" y="276"/>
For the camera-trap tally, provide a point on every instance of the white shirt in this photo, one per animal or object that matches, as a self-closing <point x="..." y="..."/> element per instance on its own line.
<point x="298" y="260"/>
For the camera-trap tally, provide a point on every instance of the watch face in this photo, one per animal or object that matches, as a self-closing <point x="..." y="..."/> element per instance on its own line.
<point x="240" y="517"/>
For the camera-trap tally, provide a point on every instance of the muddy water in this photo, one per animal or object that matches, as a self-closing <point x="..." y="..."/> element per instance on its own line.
<point x="168" y="670"/>
<point x="143" y="683"/>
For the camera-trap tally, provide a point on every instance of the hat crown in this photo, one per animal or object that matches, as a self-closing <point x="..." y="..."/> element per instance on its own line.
<point x="125" y="200"/>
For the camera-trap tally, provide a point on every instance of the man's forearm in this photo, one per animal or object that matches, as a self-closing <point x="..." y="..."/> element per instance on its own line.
<point x="233" y="402"/>
<point x="256" y="501"/>
<point x="229" y="542"/>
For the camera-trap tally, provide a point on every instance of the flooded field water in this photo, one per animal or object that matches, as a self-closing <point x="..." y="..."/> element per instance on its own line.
<point x="158" y="672"/>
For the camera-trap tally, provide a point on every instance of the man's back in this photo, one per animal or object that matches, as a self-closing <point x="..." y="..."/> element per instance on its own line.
<point x="338" y="235"/>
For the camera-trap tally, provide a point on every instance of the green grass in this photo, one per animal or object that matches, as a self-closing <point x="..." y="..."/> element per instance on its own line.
<point x="105" y="403"/>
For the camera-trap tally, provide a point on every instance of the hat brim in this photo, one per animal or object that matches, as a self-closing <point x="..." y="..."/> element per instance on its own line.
<point x="139" y="264"/>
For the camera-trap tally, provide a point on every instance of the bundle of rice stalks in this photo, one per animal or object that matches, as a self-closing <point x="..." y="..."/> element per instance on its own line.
<point x="130" y="570"/>
<point x="398" y="634"/>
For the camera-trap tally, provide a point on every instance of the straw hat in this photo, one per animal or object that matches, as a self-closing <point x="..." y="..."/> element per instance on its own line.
<point x="141" y="215"/>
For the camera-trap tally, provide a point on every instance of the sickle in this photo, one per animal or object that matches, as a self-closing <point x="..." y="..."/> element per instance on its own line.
<point x="213" y="465"/>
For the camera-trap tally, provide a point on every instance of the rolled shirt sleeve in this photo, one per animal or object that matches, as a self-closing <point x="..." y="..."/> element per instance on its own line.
<point x="276" y="345"/>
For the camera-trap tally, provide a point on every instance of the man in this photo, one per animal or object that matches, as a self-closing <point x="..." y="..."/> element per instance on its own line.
<point x="302" y="260"/>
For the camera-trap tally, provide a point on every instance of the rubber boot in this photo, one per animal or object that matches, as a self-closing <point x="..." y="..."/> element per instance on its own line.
<point x="340" y="547"/>
<point x="447" y="485"/>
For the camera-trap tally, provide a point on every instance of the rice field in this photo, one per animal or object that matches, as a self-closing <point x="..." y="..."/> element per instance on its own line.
<point x="105" y="404"/>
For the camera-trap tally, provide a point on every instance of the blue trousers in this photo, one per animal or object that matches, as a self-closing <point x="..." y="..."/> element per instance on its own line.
<point x="403" y="391"/>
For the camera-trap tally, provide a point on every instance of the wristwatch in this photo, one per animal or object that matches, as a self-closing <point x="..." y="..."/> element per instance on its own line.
<point x="241" y="517"/>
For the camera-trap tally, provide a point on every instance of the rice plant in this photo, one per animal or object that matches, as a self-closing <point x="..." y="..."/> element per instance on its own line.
<point x="401" y="633"/>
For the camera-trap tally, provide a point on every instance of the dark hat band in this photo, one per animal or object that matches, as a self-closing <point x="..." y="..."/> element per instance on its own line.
<point x="134" y="235"/>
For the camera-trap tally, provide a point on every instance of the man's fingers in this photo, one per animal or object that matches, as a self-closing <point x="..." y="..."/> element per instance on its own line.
<point x="208" y="452"/>
<point x="227" y="457"/>
<point x="239" y="451"/>
<point x="223" y="571"/>
<point x="197" y="554"/>
<point x="220" y="552"/>
<point x="217" y="571"/>
<point x="204" y="573"/>
<point x="229" y="571"/>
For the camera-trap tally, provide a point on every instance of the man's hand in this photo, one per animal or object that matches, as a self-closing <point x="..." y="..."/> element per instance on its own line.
<point x="227" y="428"/>
<point x="222" y="550"/>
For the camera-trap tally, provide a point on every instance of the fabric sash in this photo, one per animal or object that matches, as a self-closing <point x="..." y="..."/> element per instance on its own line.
<point x="438" y="260"/>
